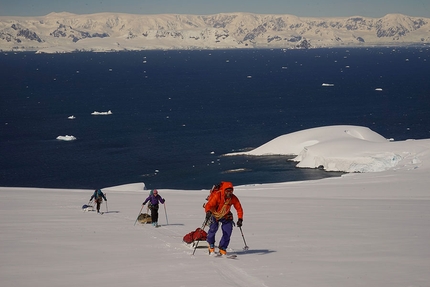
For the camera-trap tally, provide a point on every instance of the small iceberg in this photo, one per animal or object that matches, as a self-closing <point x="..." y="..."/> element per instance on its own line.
<point x="378" y="89"/>
<point x="327" y="85"/>
<point x="72" y="117"/>
<point x="95" y="113"/>
<point x="236" y="170"/>
<point x="66" y="138"/>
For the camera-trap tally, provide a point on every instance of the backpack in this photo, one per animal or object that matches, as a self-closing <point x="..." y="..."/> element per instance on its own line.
<point x="196" y="235"/>
<point x="215" y="188"/>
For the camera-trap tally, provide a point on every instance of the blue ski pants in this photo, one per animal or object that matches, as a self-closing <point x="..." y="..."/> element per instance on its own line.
<point x="227" y="229"/>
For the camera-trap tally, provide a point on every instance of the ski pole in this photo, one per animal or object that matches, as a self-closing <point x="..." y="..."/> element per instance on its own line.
<point x="203" y="228"/>
<point x="138" y="214"/>
<point x="246" y="246"/>
<point x="90" y="204"/>
<point x="107" y="209"/>
<point x="167" y="220"/>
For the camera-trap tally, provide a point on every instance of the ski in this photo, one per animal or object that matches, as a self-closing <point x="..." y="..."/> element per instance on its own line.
<point x="231" y="256"/>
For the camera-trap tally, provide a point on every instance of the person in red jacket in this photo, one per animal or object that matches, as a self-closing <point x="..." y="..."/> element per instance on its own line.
<point x="218" y="211"/>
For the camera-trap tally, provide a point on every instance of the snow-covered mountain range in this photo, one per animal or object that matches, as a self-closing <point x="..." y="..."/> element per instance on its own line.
<point x="65" y="32"/>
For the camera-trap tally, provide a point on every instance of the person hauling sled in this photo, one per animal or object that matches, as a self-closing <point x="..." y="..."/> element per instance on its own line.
<point x="154" y="198"/>
<point x="98" y="197"/>
<point x="218" y="211"/>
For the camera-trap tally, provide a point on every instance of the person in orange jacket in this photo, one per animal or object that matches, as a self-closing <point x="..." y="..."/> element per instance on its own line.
<point x="218" y="211"/>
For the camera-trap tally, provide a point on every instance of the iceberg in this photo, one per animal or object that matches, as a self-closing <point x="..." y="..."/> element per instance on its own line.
<point x="95" y="113"/>
<point x="66" y="138"/>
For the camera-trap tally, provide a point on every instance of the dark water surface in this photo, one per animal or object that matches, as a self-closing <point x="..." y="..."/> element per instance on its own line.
<point x="175" y="113"/>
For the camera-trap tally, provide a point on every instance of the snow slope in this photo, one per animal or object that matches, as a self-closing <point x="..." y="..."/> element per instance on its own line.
<point x="362" y="229"/>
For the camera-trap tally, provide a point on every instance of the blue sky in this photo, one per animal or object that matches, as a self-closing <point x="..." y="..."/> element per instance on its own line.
<point x="311" y="8"/>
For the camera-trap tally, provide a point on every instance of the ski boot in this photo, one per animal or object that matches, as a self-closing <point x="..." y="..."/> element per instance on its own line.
<point x="222" y="252"/>
<point x="211" y="249"/>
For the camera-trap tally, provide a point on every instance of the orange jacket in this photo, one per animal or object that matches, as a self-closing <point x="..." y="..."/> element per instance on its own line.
<point x="220" y="206"/>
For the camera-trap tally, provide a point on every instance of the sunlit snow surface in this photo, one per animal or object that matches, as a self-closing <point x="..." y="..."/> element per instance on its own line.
<point x="361" y="229"/>
<point x="345" y="148"/>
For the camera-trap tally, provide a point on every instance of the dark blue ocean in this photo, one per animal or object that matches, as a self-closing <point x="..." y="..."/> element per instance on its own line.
<point x="175" y="113"/>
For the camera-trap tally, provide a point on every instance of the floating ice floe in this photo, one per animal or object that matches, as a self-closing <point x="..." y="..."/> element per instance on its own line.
<point x="327" y="85"/>
<point x="72" y="117"/>
<point x="236" y="170"/>
<point x="95" y="113"/>
<point x="378" y="89"/>
<point x="66" y="138"/>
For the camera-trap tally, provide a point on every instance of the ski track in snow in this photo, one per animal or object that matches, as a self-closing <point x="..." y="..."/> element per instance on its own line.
<point x="232" y="274"/>
<point x="226" y="268"/>
<point x="170" y="238"/>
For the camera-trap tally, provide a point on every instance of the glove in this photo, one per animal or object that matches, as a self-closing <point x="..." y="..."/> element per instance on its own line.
<point x="208" y="215"/>
<point x="239" y="222"/>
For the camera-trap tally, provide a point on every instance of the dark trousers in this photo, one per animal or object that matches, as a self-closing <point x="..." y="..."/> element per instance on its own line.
<point x="98" y="201"/>
<point x="227" y="229"/>
<point x="154" y="213"/>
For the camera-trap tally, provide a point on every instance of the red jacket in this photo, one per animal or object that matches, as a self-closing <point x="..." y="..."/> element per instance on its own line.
<point x="220" y="206"/>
